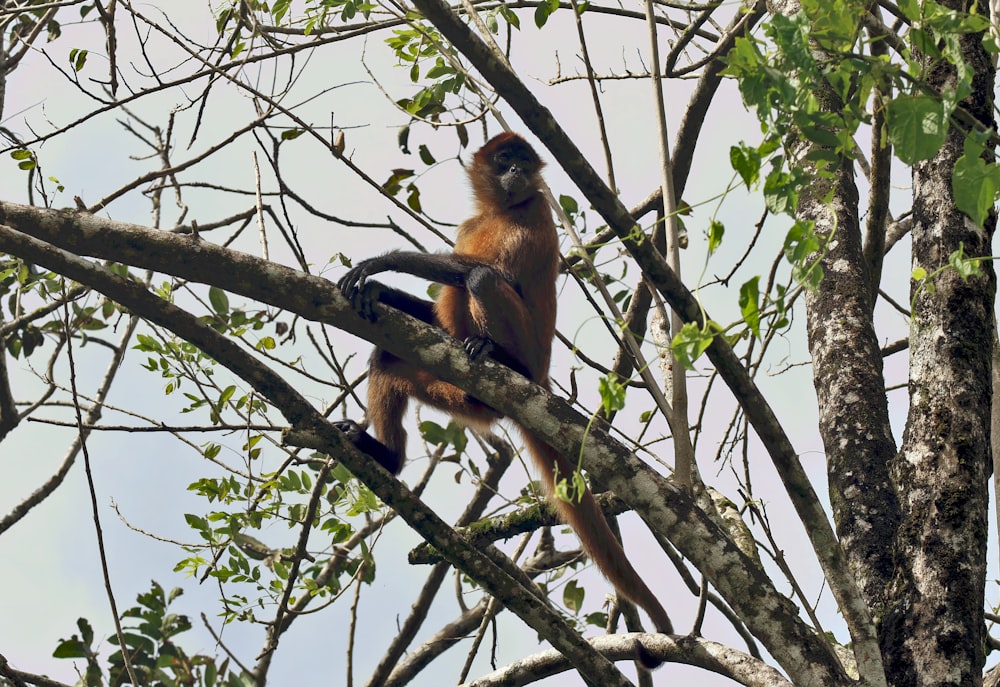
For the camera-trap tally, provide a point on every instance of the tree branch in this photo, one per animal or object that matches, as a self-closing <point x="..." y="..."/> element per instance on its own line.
<point x="541" y="122"/>
<point x="740" y="580"/>
<point x="494" y="571"/>
<point x="694" y="651"/>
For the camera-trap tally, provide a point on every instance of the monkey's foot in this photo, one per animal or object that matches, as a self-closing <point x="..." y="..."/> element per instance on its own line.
<point x="366" y="443"/>
<point x="351" y="429"/>
<point x="478" y="347"/>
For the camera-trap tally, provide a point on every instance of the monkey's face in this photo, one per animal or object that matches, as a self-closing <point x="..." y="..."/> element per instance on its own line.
<point x="514" y="168"/>
<point x="505" y="173"/>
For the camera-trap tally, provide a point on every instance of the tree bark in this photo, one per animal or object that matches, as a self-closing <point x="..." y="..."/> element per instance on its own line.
<point x="850" y="389"/>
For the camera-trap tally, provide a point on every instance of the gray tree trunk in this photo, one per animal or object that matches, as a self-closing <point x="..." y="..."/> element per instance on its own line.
<point x="932" y="631"/>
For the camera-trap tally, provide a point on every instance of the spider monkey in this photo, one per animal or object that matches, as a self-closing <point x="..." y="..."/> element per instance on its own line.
<point x="498" y="296"/>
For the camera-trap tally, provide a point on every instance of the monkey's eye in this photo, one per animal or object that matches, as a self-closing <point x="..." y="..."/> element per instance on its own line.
<point x="508" y="163"/>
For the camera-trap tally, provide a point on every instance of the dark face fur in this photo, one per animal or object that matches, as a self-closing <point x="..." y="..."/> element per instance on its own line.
<point x="506" y="169"/>
<point x="514" y="166"/>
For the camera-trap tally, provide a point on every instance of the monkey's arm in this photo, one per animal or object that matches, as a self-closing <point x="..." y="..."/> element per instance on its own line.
<point x="443" y="268"/>
<point x="496" y="300"/>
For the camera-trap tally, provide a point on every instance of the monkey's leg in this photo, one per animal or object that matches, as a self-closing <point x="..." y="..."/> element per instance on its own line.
<point x="388" y="396"/>
<point x="391" y="383"/>
<point x="501" y="317"/>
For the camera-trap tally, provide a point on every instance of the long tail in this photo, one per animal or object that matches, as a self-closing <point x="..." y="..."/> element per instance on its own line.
<point x="598" y="540"/>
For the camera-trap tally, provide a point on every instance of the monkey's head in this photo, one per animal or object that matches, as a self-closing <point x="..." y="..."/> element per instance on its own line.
<point x="504" y="172"/>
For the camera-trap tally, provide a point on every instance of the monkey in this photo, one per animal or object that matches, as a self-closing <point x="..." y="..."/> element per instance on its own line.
<point x="498" y="297"/>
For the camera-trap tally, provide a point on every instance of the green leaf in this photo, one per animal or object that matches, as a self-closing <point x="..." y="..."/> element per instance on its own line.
<point x="78" y="58"/>
<point x="746" y="161"/>
<point x="196" y="522"/>
<point x="413" y="197"/>
<point x="975" y="184"/>
<point x="425" y="155"/>
<point x="691" y="341"/>
<point x="510" y="16"/>
<point x="433" y="433"/>
<point x="749" y="299"/>
<point x="439" y="70"/>
<point x="26" y="158"/>
<point x="279" y="8"/>
<point x="544" y="10"/>
<point x="781" y="193"/>
<point x="801" y="250"/>
<point x="715" y="231"/>
<point x="224" y="17"/>
<point x="394" y="183"/>
<point x="454" y="434"/>
<point x="612" y="394"/>
<point x="227" y="394"/>
<point x="71" y="648"/>
<point x="966" y="267"/>
<point x="219" y="300"/>
<point x="917" y="127"/>
<point x="910" y="9"/>
<point x="364" y="502"/>
<point x="492" y="25"/>
<point x="147" y="343"/>
<point x="573" y="595"/>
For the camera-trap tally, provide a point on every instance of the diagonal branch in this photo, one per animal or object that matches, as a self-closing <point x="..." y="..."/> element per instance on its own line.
<point x="801" y="493"/>
<point x="694" y="651"/>
<point x="668" y="510"/>
<point x="494" y="571"/>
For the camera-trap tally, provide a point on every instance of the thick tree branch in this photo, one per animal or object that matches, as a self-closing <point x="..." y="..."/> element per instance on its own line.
<point x="695" y="651"/>
<point x="739" y="579"/>
<point x="491" y="568"/>
<point x="847" y="373"/>
<point x="541" y="122"/>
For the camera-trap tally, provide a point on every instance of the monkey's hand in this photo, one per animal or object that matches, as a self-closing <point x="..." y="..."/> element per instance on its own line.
<point x="361" y="293"/>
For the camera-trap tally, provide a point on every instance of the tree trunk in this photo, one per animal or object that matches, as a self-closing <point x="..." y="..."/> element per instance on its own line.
<point x="933" y="630"/>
